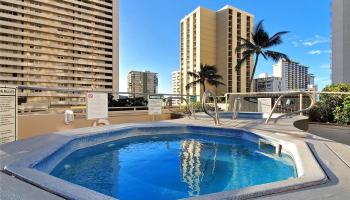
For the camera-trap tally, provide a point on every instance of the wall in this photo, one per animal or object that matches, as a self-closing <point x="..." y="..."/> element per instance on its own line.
<point x="35" y="125"/>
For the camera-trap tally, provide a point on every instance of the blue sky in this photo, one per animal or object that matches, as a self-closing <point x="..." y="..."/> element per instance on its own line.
<point x="149" y="34"/>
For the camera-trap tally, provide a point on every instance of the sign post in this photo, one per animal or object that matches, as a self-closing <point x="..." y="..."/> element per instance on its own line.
<point x="155" y="105"/>
<point x="97" y="106"/>
<point x="264" y="105"/>
<point x="8" y="114"/>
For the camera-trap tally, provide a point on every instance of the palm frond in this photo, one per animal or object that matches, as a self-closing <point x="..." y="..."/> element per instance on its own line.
<point x="246" y="45"/>
<point x="260" y="36"/>
<point x="276" y="39"/>
<point x="259" y="26"/>
<point x="215" y="82"/>
<point x="214" y="76"/>
<point x="246" y="55"/>
<point x="208" y="68"/>
<point x="193" y="83"/>
<point x="192" y="74"/>
<point x="264" y="55"/>
<point x="276" y="56"/>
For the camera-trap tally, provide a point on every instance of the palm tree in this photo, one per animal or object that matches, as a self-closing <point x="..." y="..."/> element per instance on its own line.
<point x="207" y="74"/>
<point x="260" y="45"/>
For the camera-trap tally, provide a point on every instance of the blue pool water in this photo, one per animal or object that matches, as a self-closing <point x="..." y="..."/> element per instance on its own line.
<point x="172" y="166"/>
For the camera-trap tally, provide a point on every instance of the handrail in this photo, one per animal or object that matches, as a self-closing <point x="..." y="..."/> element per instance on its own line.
<point x="312" y="104"/>
<point x="190" y="108"/>
<point x="236" y="107"/>
<point x="216" y="117"/>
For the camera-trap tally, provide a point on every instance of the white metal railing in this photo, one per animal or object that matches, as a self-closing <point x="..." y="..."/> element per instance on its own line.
<point x="299" y="102"/>
<point x="216" y="117"/>
<point x="168" y="105"/>
<point x="312" y="104"/>
<point x="74" y="99"/>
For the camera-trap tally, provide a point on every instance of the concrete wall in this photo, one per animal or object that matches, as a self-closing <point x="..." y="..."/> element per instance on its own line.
<point x="35" y="125"/>
<point x="340" y="41"/>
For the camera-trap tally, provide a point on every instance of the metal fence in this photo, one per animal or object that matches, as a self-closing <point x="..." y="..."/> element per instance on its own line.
<point x="56" y="100"/>
<point x="33" y="100"/>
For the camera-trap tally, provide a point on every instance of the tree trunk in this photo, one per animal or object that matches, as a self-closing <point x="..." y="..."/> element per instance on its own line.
<point x="200" y="95"/>
<point x="254" y="68"/>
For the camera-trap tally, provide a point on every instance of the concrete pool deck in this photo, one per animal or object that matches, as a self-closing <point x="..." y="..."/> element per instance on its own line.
<point x="333" y="157"/>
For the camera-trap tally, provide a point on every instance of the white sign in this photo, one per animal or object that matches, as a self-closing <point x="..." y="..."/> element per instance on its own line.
<point x="155" y="104"/>
<point x="97" y="106"/>
<point x="264" y="105"/>
<point x="8" y="115"/>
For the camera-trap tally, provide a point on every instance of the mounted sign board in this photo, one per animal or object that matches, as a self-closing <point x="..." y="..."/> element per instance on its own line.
<point x="264" y="105"/>
<point x="8" y="114"/>
<point x="155" y="104"/>
<point x="193" y="99"/>
<point x="97" y="105"/>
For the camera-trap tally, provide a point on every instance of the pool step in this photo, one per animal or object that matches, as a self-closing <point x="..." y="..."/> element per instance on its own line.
<point x="278" y="147"/>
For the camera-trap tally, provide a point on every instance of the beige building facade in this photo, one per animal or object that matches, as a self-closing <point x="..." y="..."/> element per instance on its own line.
<point x="176" y="85"/>
<point x="60" y="45"/>
<point x="211" y="37"/>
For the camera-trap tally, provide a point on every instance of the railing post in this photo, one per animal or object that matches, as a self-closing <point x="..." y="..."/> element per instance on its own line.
<point x="301" y="103"/>
<point x="226" y="102"/>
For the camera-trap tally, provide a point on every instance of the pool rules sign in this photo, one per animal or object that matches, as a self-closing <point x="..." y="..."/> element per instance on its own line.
<point x="155" y="104"/>
<point x="8" y="114"/>
<point x="97" y="105"/>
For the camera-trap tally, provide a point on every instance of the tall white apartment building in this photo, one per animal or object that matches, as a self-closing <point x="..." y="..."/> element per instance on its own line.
<point x="60" y="45"/>
<point x="211" y="37"/>
<point x="341" y="41"/>
<point x="294" y="75"/>
<point x="176" y="85"/>
<point x="142" y="83"/>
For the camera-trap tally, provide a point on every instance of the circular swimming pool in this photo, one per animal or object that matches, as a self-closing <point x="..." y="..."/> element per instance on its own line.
<point x="173" y="166"/>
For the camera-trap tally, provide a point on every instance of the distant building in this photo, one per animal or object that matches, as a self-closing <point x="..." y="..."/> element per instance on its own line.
<point x="341" y="41"/>
<point x="59" y="45"/>
<point x="142" y="83"/>
<point x="310" y="79"/>
<point x="268" y="84"/>
<point x="293" y="74"/>
<point x="176" y="85"/>
<point x="211" y="37"/>
<point x="263" y="75"/>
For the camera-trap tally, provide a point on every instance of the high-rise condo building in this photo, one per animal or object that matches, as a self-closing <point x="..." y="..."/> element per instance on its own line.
<point x="341" y="41"/>
<point x="176" y="85"/>
<point x="142" y="83"/>
<point x="211" y="37"/>
<point x="61" y="45"/>
<point x="294" y="75"/>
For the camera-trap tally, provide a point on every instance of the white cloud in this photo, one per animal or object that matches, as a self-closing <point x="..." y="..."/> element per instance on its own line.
<point x="323" y="80"/>
<point x="314" y="52"/>
<point x="317" y="39"/>
<point x="295" y="44"/>
<point x="318" y="52"/>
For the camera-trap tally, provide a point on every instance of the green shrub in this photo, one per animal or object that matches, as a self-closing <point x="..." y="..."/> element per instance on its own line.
<point x="330" y="104"/>
<point x="342" y="113"/>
